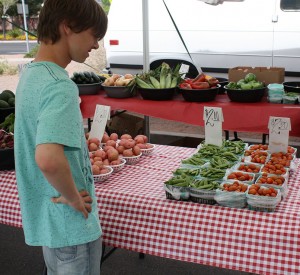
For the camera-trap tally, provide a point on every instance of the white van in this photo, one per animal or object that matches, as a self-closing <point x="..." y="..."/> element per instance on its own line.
<point x="247" y="33"/>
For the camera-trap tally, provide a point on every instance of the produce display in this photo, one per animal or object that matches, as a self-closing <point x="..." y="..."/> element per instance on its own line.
<point x="163" y="77"/>
<point x="6" y="140"/>
<point x="202" y="81"/>
<point x="7" y="99"/>
<point x="247" y="83"/>
<point x="119" y="80"/>
<point x="111" y="150"/>
<point x="222" y="175"/>
<point x="87" y="77"/>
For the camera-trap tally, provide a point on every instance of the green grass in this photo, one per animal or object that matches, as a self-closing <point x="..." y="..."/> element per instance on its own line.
<point x="7" y="69"/>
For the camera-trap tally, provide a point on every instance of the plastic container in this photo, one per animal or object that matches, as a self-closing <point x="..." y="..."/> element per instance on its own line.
<point x="275" y="99"/>
<point x="132" y="160"/>
<point x="203" y="196"/>
<point x="275" y="89"/>
<point x="289" y="99"/>
<point x="103" y="177"/>
<point x="177" y="192"/>
<point x="231" y="199"/>
<point x="263" y="203"/>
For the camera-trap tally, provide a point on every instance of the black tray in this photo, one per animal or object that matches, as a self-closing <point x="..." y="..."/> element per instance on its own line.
<point x="4" y="112"/>
<point x="246" y="96"/>
<point x="157" y="94"/>
<point x="201" y="95"/>
<point x="7" y="159"/>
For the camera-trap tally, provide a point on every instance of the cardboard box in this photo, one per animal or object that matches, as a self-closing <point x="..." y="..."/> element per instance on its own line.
<point x="124" y="123"/>
<point x="263" y="74"/>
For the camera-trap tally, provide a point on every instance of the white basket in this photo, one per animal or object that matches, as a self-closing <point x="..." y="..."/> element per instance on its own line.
<point x="103" y="177"/>
<point x="118" y="167"/>
<point x="132" y="160"/>
<point x="148" y="151"/>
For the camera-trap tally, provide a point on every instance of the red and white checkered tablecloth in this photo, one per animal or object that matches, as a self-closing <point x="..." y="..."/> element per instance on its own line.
<point x="136" y="215"/>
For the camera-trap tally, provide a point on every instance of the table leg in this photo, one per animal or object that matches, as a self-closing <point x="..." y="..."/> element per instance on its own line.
<point x="147" y="127"/>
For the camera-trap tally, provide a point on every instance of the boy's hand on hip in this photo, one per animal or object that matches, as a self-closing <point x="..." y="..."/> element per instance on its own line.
<point x="82" y="205"/>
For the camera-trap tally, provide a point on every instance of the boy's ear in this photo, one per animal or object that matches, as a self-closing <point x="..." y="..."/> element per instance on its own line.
<point x="65" y="28"/>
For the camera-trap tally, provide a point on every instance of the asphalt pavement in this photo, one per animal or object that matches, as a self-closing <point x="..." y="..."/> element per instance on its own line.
<point x="16" y="258"/>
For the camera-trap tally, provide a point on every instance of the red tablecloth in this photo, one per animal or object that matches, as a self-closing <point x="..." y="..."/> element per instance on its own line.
<point x="240" y="117"/>
<point x="135" y="215"/>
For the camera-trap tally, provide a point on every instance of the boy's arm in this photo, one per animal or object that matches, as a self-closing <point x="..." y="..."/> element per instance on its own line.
<point x="53" y="163"/>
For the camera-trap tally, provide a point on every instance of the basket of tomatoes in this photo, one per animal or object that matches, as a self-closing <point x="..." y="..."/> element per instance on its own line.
<point x="263" y="198"/>
<point x="275" y="181"/>
<point x="232" y="194"/>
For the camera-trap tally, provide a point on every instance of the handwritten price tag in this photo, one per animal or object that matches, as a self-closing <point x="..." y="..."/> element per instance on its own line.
<point x="279" y="128"/>
<point x="184" y="68"/>
<point x="102" y="114"/>
<point x="213" y="119"/>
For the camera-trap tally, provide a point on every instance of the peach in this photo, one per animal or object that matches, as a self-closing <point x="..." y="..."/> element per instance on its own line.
<point x="105" y="138"/>
<point x="111" y="143"/>
<point x="99" y="163"/>
<point x="94" y="140"/>
<point x="107" y="147"/>
<point x="139" y="139"/>
<point x="136" y="150"/>
<point x="126" y="136"/>
<point x="106" y="162"/>
<point x="93" y="147"/>
<point x="95" y="169"/>
<point x="104" y="171"/>
<point x="120" y="149"/>
<point x="142" y="145"/>
<point x="112" y="154"/>
<point x="129" y="143"/>
<point x="128" y="153"/>
<point x="114" y="136"/>
<point x="115" y="162"/>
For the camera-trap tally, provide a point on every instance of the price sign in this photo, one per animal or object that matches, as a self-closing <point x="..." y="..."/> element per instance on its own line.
<point x="213" y="119"/>
<point x="102" y="114"/>
<point x="184" y="70"/>
<point x="279" y="128"/>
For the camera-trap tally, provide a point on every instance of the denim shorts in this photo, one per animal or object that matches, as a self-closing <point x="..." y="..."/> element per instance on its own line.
<point x="81" y="259"/>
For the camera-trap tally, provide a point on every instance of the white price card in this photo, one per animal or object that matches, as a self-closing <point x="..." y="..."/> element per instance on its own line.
<point x="279" y="128"/>
<point x="102" y="114"/>
<point x="213" y="119"/>
<point x="184" y="70"/>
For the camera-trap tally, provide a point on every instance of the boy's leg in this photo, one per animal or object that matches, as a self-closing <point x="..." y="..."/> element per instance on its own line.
<point x="78" y="259"/>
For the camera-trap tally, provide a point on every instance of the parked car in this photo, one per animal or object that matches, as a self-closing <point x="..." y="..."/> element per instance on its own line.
<point x="243" y="33"/>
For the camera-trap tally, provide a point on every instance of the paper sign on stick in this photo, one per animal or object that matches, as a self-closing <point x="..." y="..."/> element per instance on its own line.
<point x="213" y="118"/>
<point x="279" y="128"/>
<point x="184" y="70"/>
<point x="102" y="114"/>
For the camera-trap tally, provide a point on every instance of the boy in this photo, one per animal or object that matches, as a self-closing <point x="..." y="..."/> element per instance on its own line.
<point x="55" y="184"/>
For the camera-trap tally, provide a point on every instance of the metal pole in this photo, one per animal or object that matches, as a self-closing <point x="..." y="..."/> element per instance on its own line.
<point x="146" y="63"/>
<point x="25" y="26"/>
<point x="4" y="26"/>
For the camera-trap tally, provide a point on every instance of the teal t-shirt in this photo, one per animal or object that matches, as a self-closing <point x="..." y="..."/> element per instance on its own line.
<point x="47" y="111"/>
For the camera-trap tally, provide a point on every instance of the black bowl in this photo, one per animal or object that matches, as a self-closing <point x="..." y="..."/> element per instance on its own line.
<point x="7" y="159"/>
<point x="157" y="94"/>
<point x="200" y="95"/>
<point x="119" y="91"/>
<point x="89" y="89"/>
<point x="222" y="82"/>
<point x="291" y="86"/>
<point x="245" y="96"/>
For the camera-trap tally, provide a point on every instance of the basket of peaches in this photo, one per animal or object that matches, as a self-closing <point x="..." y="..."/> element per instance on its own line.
<point x="129" y="148"/>
<point x="105" y="157"/>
